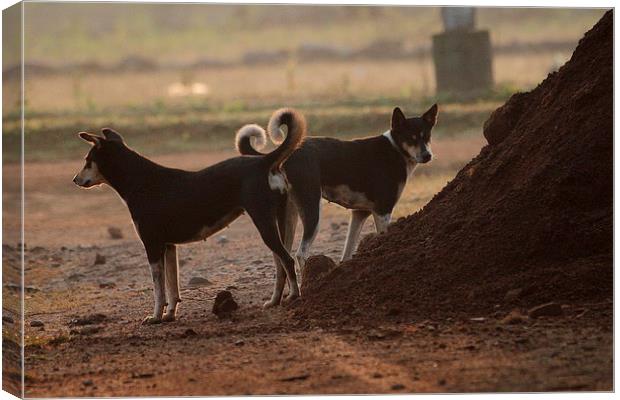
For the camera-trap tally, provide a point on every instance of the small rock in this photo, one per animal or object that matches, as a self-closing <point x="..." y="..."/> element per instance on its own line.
<point x="514" y="317"/>
<point x="198" y="281"/>
<point x="36" y="322"/>
<point x="87" y="330"/>
<point x="87" y="382"/>
<point x="513" y="294"/>
<point x="107" y="285"/>
<point x="224" y="304"/>
<point x="441" y="382"/>
<point x="189" y="333"/>
<point x="295" y="378"/>
<point x="256" y="262"/>
<point x="377" y="375"/>
<point x="398" y="386"/>
<point x="100" y="259"/>
<point x="8" y="319"/>
<point x="478" y="319"/>
<point x="546" y="310"/>
<point x="222" y="239"/>
<point x="115" y="233"/>
<point x="239" y="343"/>
<point x="91" y="319"/>
<point x="335" y="226"/>
<point x="144" y="375"/>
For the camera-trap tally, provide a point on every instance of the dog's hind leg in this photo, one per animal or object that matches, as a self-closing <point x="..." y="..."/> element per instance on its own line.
<point x="287" y="223"/>
<point x="309" y="206"/>
<point x="358" y="217"/>
<point x="265" y="222"/>
<point x="173" y="296"/>
<point x="155" y="254"/>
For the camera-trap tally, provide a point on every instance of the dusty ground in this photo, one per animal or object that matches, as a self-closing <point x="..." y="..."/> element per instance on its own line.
<point x="258" y="351"/>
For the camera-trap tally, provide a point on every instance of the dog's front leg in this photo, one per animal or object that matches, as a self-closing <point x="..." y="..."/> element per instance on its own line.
<point x="382" y="221"/>
<point x="355" y="228"/>
<point x="172" y="283"/>
<point x="156" y="263"/>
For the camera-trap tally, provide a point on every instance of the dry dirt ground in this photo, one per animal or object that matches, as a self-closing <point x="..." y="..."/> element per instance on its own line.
<point x="259" y="351"/>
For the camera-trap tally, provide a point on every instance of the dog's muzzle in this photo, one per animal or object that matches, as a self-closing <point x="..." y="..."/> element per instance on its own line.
<point x="425" y="157"/>
<point x="78" y="182"/>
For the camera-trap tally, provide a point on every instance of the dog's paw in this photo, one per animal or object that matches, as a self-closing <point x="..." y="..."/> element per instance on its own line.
<point x="150" y="320"/>
<point x="168" y="318"/>
<point x="290" y="299"/>
<point x="271" y="303"/>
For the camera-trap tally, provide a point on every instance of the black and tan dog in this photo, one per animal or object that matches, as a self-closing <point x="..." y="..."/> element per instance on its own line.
<point x="171" y="206"/>
<point x="365" y="175"/>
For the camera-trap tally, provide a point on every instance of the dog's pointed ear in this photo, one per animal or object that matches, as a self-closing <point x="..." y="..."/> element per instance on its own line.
<point x="398" y="118"/>
<point x="430" y="116"/>
<point x="91" y="138"/>
<point x="112" y="135"/>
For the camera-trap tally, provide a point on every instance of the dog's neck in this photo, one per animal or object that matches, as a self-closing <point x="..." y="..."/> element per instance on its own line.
<point x="410" y="161"/>
<point x="130" y="173"/>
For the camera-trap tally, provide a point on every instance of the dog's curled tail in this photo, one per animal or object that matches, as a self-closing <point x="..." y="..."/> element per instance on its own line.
<point x="296" y="131"/>
<point x="249" y="139"/>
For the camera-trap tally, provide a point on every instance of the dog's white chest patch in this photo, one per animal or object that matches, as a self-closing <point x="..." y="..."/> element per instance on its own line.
<point x="277" y="182"/>
<point x="346" y="197"/>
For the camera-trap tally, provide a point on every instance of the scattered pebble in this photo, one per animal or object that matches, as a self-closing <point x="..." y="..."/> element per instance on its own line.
<point x="87" y="330"/>
<point x="514" y="317"/>
<point x="335" y="226"/>
<point x="100" y="259"/>
<point x="36" y="322"/>
<point x="302" y="377"/>
<point x="88" y="382"/>
<point x="224" y="304"/>
<point x="107" y="285"/>
<point x="222" y="239"/>
<point x="189" y="333"/>
<point x="91" y="319"/>
<point x="398" y="386"/>
<point x="546" y="310"/>
<point x="115" y="233"/>
<point x="239" y="343"/>
<point x="478" y="319"/>
<point x="513" y="294"/>
<point x="7" y="319"/>
<point x="199" y="281"/>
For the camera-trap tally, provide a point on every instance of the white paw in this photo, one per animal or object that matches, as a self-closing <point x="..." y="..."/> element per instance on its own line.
<point x="150" y="320"/>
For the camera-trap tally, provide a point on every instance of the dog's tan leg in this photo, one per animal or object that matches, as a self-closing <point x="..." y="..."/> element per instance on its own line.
<point x="381" y="221"/>
<point x="358" y="217"/>
<point x="157" y="273"/>
<point x="173" y="296"/>
<point x="289" y="222"/>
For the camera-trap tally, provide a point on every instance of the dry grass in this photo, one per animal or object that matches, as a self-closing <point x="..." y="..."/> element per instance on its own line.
<point x="237" y="87"/>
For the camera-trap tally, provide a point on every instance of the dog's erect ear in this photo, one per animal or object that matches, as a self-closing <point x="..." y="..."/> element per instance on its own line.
<point x="431" y="115"/>
<point x="112" y="135"/>
<point x="398" y="118"/>
<point x="91" y="138"/>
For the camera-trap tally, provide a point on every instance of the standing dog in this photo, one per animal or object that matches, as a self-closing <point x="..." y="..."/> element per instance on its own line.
<point x="171" y="206"/>
<point x="365" y="175"/>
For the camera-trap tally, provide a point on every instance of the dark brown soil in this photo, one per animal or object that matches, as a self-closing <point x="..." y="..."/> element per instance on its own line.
<point x="533" y="211"/>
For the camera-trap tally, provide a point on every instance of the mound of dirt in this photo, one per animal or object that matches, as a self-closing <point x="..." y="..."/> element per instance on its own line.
<point x="533" y="211"/>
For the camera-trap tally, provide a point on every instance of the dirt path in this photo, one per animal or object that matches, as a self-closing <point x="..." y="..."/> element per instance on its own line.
<point x="257" y="351"/>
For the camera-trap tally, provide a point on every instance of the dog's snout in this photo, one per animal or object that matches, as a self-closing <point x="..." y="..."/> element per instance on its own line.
<point x="426" y="157"/>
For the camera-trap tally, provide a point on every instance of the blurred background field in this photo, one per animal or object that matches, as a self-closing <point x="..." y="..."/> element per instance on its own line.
<point x="185" y="77"/>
